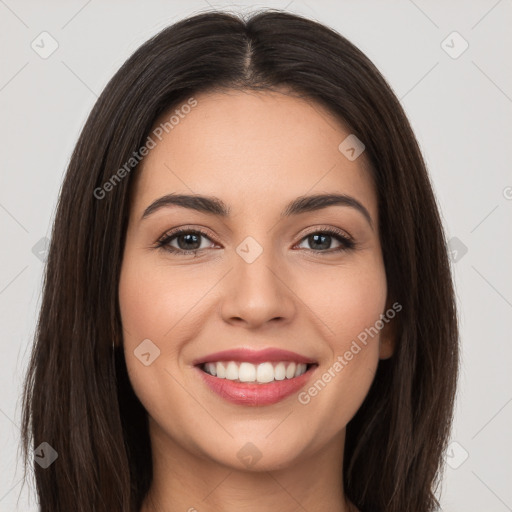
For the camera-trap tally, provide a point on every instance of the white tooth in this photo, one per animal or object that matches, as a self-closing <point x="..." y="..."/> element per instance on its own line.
<point x="232" y="371"/>
<point x="247" y="372"/>
<point x="301" y="368"/>
<point x="221" y="370"/>
<point x="290" y="371"/>
<point x="265" y="372"/>
<point x="280" y="371"/>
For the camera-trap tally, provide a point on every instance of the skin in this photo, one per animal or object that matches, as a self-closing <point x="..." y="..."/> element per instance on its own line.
<point x="256" y="152"/>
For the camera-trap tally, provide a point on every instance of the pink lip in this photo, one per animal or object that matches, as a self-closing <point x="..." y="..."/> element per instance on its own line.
<point x="254" y="394"/>
<point x="254" y="356"/>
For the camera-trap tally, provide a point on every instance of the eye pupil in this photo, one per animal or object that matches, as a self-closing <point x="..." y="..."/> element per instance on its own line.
<point x="190" y="238"/>
<point x="324" y="245"/>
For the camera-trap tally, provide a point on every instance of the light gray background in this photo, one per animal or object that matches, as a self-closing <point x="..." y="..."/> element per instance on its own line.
<point x="460" y="109"/>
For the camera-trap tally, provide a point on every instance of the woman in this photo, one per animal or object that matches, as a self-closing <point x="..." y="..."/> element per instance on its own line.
<point x="248" y="301"/>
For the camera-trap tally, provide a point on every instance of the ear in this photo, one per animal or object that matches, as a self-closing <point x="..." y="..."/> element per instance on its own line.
<point x="388" y="333"/>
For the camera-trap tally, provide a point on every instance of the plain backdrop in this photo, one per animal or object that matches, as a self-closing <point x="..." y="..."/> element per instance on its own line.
<point x="447" y="61"/>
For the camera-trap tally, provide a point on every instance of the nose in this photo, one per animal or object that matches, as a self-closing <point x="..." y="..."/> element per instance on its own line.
<point x="258" y="292"/>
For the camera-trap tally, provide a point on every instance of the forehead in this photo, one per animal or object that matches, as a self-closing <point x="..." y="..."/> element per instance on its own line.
<point x="254" y="150"/>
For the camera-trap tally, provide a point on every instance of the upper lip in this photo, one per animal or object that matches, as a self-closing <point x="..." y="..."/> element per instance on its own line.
<point x="254" y="356"/>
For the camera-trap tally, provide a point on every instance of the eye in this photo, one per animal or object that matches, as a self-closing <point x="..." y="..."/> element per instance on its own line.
<point x="188" y="241"/>
<point x="322" y="239"/>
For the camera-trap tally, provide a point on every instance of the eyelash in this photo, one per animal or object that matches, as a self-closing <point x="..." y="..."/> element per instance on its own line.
<point x="347" y="243"/>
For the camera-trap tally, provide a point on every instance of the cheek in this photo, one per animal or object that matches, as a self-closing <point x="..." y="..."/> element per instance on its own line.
<point x="355" y="309"/>
<point x="350" y="304"/>
<point x="153" y="299"/>
<point x="348" y="301"/>
<point x="150" y="307"/>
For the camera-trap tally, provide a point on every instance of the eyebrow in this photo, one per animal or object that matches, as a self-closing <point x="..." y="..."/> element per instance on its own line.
<point x="215" y="206"/>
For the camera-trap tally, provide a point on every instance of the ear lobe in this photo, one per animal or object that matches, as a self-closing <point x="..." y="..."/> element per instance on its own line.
<point x="387" y="339"/>
<point x="386" y="347"/>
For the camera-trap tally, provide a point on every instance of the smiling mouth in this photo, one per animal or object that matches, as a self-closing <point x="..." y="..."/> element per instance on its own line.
<point x="262" y="373"/>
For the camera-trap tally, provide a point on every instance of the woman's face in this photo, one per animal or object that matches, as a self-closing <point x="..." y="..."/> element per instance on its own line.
<point x="261" y="278"/>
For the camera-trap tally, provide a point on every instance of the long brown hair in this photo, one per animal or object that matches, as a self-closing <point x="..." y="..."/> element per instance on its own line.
<point x="77" y="395"/>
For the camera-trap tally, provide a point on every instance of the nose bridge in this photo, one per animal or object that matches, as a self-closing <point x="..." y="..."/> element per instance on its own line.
<point x="257" y="292"/>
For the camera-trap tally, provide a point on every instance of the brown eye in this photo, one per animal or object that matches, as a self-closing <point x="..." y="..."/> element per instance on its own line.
<point x="320" y="241"/>
<point x="188" y="241"/>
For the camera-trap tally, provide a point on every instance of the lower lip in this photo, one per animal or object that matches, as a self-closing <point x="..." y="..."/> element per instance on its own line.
<point x="254" y="394"/>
